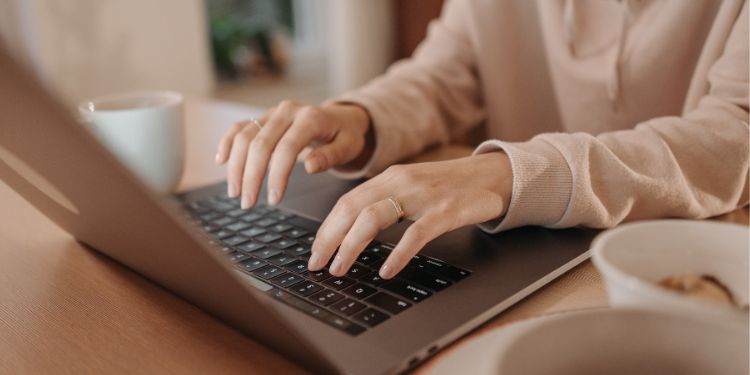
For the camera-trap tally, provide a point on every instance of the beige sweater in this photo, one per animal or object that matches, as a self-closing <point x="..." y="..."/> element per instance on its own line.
<point x="608" y="110"/>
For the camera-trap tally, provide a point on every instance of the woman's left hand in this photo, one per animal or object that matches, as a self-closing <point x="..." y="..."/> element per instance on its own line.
<point x="438" y="196"/>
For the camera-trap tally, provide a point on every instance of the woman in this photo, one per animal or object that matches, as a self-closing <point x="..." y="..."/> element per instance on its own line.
<point x="599" y="112"/>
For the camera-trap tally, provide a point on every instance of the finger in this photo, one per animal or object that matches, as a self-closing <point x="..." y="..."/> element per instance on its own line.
<point x="225" y="144"/>
<point x="304" y="129"/>
<point x="260" y="151"/>
<point x="371" y="220"/>
<point x="415" y="238"/>
<point x="331" y="233"/>
<point x="237" y="157"/>
<point x="341" y="150"/>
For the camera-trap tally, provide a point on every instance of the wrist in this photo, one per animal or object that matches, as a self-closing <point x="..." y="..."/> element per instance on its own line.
<point x="498" y="175"/>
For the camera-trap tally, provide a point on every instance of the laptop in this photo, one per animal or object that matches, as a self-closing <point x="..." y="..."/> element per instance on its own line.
<point x="247" y="268"/>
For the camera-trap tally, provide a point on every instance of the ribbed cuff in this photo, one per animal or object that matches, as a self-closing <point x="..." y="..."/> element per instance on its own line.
<point x="542" y="184"/>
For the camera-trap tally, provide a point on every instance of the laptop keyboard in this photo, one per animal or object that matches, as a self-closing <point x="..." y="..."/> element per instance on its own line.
<point x="274" y="246"/>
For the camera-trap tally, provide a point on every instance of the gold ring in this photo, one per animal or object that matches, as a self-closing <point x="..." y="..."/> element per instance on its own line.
<point x="257" y="123"/>
<point x="397" y="207"/>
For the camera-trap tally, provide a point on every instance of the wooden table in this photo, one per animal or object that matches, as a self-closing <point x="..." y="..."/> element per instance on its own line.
<point x="64" y="309"/>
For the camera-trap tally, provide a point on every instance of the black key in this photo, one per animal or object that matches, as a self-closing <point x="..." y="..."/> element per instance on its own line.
<point x="197" y="208"/>
<point x="306" y="289"/>
<point x="250" y="217"/>
<point x="221" y="234"/>
<point x="222" y="221"/>
<point x="296" y="233"/>
<point x="250" y="265"/>
<point x="326" y="297"/>
<point x="370" y="317"/>
<point x="209" y="216"/>
<point x="220" y="206"/>
<point x="281" y="216"/>
<point x="297" y="266"/>
<point x="357" y="271"/>
<point x="338" y="283"/>
<point x="410" y="291"/>
<point x="298" y="250"/>
<point x="284" y="243"/>
<point x="308" y="240"/>
<point x="373" y="278"/>
<point x="281" y="260"/>
<point x="424" y="278"/>
<point x="266" y="253"/>
<point x="318" y="275"/>
<point x="280" y="227"/>
<point x="226" y="250"/>
<point x="378" y="250"/>
<point x="238" y="257"/>
<point x="211" y="227"/>
<point x="304" y="223"/>
<point x="286" y="280"/>
<point x="251" y="246"/>
<point x="252" y="232"/>
<point x="268" y="237"/>
<point x="388" y="303"/>
<point x="298" y="303"/>
<point x="238" y="226"/>
<point x="343" y="324"/>
<point x="367" y="259"/>
<point x="235" y="240"/>
<point x="267" y="272"/>
<point x="236" y="213"/>
<point x="360" y="291"/>
<point x="266" y="222"/>
<point x="347" y="306"/>
<point x="442" y="269"/>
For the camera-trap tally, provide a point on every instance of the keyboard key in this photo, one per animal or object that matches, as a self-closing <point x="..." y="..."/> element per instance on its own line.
<point x="308" y="240"/>
<point x="306" y="288"/>
<point x="284" y="243"/>
<point x="266" y="253"/>
<point x="373" y="278"/>
<point x="265" y="222"/>
<point x="338" y="283"/>
<point x="281" y="260"/>
<point x="305" y="223"/>
<point x="196" y="208"/>
<point x="442" y="269"/>
<point x="226" y="250"/>
<point x="367" y="259"/>
<point x="280" y="227"/>
<point x="357" y="271"/>
<point x="296" y="233"/>
<point x="222" y="221"/>
<point x="268" y="237"/>
<point x="298" y="250"/>
<point x="252" y="232"/>
<point x="219" y="206"/>
<point x="424" y="278"/>
<point x="251" y="246"/>
<point x="235" y="240"/>
<point x="410" y="291"/>
<point x="236" y="213"/>
<point x="281" y="216"/>
<point x="343" y="324"/>
<point x="298" y="303"/>
<point x="267" y="272"/>
<point x="221" y="234"/>
<point x="360" y="291"/>
<point x="238" y="257"/>
<point x="250" y="265"/>
<point x="286" y="280"/>
<point x="250" y="217"/>
<point x="238" y="226"/>
<point x="326" y="297"/>
<point x="370" y="317"/>
<point x="318" y="275"/>
<point x="378" y="250"/>
<point x="347" y="306"/>
<point x="298" y="266"/>
<point x="209" y="216"/>
<point x="388" y="303"/>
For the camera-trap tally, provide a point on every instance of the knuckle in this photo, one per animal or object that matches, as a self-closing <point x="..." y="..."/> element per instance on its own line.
<point x="243" y="137"/>
<point x="287" y="146"/>
<point x="418" y="233"/>
<point x="261" y="143"/>
<point x="370" y="214"/>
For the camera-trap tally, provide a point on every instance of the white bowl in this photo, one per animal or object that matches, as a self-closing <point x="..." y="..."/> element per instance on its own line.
<point x="633" y="258"/>
<point x="604" y="341"/>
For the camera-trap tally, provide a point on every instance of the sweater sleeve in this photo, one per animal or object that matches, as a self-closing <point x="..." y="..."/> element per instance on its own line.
<point x="423" y="100"/>
<point x="693" y="166"/>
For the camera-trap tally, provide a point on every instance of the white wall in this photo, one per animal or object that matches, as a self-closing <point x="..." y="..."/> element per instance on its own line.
<point x="85" y="48"/>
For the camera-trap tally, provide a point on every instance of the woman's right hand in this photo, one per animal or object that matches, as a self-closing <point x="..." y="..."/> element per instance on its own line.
<point x="338" y="133"/>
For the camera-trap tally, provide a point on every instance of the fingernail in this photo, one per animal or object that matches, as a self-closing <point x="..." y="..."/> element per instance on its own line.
<point x="218" y="158"/>
<point x="312" y="264"/>
<point x="273" y="197"/>
<point x="336" y="265"/>
<point x="387" y="271"/>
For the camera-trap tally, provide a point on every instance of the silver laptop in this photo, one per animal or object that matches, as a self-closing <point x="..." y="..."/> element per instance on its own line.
<point x="247" y="267"/>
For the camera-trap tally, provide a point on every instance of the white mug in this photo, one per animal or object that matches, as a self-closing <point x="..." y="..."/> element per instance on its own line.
<point x="145" y="131"/>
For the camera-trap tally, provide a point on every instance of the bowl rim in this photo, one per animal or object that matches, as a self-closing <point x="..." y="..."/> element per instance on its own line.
<point x="632" y="282"/>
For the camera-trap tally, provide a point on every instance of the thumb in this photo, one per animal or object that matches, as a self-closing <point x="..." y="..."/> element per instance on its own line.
<point x="341" y="150"/>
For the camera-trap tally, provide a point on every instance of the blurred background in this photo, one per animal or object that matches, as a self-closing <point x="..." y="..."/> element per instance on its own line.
<point x="252" y="51"/>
